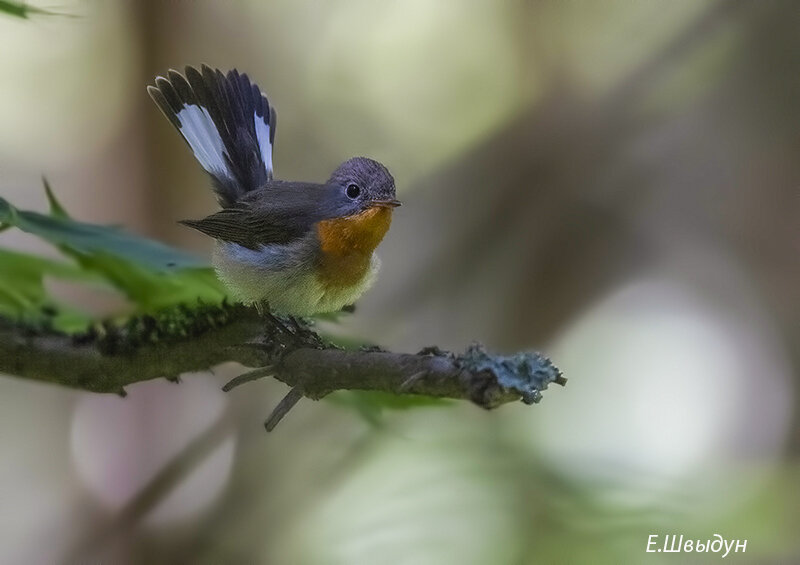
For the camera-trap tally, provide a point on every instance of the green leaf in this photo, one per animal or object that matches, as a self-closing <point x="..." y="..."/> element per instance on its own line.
<point x="90" y="239"/>
<point x="24" y="296"/>
<point x="150" y="274"/>
<point x="151" y="290"/>
<point x="56" y="209"/>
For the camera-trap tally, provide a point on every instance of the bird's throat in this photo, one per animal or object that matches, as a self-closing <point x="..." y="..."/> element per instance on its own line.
<point x="346" y="245"/>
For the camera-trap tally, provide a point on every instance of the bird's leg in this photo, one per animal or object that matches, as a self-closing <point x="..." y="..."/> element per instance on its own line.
<point x="303" y="332"/>
<point x="296" y="325"/>
<point x="265" y="313"/>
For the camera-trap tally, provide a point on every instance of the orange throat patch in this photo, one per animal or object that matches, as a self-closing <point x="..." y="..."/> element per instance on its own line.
<point x="346" y="245"/>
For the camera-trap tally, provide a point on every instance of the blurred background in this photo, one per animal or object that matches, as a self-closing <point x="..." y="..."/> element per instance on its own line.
<point x="616" y="184"/>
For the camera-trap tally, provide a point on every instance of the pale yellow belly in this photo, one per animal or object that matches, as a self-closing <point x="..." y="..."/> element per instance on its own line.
<point x="286" y="277"/>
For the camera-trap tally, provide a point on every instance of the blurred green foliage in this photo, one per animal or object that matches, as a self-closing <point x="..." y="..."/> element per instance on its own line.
<point x="19" y="9"/>
<point x="371" y="405"/>
<point x="149" y="274"/>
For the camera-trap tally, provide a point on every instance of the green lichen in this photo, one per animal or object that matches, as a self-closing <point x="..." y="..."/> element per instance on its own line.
<point x="526" y="374"/>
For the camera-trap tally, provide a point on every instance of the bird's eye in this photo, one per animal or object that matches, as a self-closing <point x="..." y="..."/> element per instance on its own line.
<point x="353" y="191"/>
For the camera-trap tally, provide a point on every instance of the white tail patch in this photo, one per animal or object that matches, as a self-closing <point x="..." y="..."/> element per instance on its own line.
<point x="262" y="136"/>
<point x="201" y="134"/>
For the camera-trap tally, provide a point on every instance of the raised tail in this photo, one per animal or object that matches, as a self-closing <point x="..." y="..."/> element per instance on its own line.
<point x="227" y="122"/>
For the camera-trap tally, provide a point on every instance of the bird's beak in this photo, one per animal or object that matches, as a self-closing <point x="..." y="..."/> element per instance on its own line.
<point x="386" y="203"/>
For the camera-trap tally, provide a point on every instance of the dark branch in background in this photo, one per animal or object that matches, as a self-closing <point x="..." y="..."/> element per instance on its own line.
<point x="107" y="357"/>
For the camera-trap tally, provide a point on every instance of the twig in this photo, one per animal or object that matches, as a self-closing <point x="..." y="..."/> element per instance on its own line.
<point x="164" y="482"/>
<point x="283" y="408"/>
<point x="248" y="377"/>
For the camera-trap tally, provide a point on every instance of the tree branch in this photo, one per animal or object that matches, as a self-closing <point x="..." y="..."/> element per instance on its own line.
<point x="108" y="357"/>
<point x="486" y="380"/>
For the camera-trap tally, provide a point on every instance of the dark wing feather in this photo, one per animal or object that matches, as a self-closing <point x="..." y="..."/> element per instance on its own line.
<point x="280" y="212"/>
<point x="247" y="227"/>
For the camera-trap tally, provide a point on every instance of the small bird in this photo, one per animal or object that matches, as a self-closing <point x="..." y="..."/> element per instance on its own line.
<point x="301" y="248"/>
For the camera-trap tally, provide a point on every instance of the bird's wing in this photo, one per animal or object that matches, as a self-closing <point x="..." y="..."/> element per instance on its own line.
<point x="227" y="122"/>
<point x="278" y="213"/>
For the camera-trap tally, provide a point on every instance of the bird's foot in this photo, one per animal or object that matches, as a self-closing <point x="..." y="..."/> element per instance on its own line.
<point x="265" y="313"/>
<point x="288" y="331"/>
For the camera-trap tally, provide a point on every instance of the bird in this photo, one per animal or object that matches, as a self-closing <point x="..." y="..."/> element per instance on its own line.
<point x="294" y="248"/>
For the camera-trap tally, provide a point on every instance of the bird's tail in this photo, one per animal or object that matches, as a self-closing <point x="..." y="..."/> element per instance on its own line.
<point x="227" y="122"/>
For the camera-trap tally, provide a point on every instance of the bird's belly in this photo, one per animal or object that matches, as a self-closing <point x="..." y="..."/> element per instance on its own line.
<point x="288" y="278"/>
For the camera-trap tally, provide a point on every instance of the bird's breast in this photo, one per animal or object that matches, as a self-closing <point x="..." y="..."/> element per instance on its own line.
<point x="347" y="244"/>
